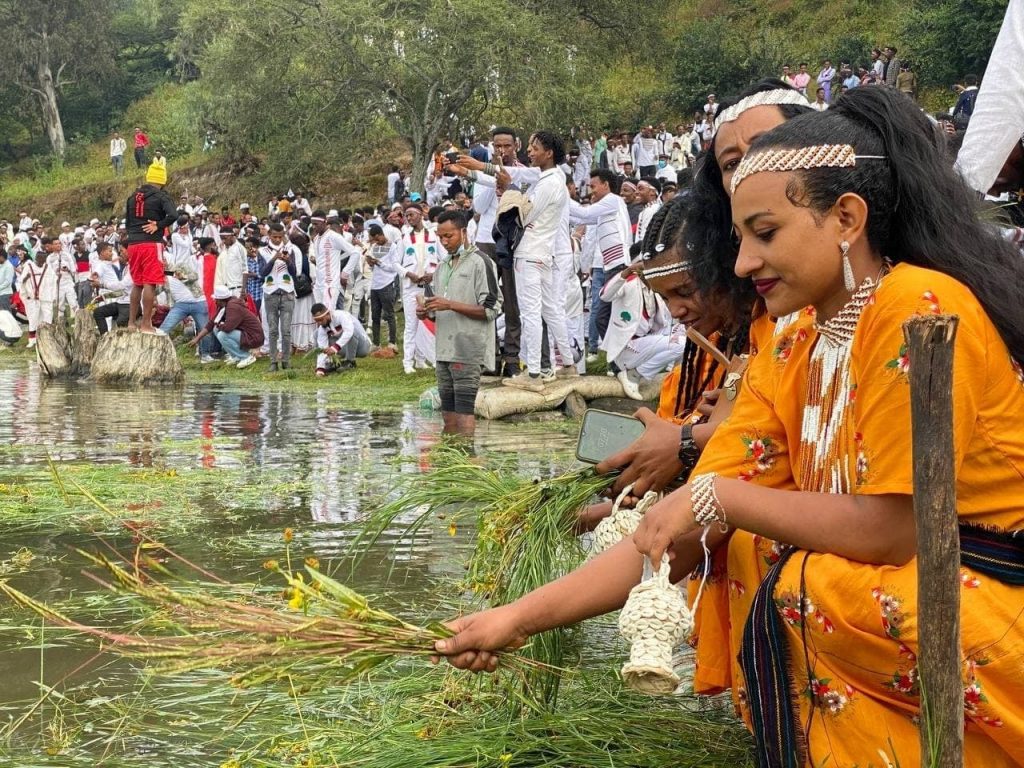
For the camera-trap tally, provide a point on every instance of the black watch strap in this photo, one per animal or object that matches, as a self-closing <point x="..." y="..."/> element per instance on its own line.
<point x="689" y="451"/>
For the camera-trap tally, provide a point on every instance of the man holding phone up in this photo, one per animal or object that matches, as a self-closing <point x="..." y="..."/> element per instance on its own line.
<point x="464" y="307"/>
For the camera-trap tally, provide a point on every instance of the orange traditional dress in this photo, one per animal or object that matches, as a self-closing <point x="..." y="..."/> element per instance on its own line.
<point x="828" y="410"/>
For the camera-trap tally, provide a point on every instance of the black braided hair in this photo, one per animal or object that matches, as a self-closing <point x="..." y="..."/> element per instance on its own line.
<point x="664" y="228"/>
<point x="665" y="231"/>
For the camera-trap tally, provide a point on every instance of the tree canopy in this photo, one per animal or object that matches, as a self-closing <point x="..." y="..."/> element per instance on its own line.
<point x="294" y="86"/>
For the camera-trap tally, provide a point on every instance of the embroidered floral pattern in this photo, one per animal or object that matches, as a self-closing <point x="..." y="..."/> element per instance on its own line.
<point x="770" y="550"/>
<point x="901" y="363"/>
<point x="760" y="454"/>
<point x="861" y="463"/>
<point x="969" y="580"/>
<point x="893" y="615"/>
<point x="736" y="588"/>
<point x="795" y="611"/>
<point x="931" y="301"/>
<point x="831" y="699"/>
<point x="905" y="682"/>
<point x="784" y="348"/>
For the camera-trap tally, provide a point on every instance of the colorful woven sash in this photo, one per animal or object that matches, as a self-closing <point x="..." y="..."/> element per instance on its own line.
<point x="993" y="553"/>
<point x="764" y="659"/>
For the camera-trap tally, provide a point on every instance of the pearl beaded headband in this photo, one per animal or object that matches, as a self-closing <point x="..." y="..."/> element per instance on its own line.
<point x="802" y="158"/>
<point x="775" y="97"/>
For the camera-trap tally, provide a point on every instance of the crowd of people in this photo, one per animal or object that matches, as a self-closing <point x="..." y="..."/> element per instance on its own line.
<point x="770" y="278"/>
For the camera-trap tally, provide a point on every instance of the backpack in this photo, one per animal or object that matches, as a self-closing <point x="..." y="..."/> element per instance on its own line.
<point x="964" y="109"/>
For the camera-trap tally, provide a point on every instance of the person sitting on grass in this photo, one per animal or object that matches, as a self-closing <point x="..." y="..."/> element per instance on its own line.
<point x="338" y="334"/>
<point x="236" y="328"/>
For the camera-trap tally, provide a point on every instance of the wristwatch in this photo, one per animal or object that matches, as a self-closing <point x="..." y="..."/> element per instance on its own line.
<point x="689" y="451"/>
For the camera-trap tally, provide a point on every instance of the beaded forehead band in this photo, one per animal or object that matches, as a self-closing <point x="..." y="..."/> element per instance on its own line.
<point x="664" y="270"/>
<point x="800" y="159"/>
<point x="774" y="97"/>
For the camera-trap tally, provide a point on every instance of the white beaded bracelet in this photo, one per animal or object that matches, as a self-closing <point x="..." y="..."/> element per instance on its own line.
<point x="707" y="509"/>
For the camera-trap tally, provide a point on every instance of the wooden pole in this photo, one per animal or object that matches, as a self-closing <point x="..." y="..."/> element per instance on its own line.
<point x="930" y="348"/>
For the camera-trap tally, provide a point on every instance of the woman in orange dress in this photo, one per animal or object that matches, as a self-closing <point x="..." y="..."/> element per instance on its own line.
<point x="851" y="213"/>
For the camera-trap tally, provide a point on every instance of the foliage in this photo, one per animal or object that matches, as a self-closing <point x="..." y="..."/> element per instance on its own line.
<point x="952" y="38"/>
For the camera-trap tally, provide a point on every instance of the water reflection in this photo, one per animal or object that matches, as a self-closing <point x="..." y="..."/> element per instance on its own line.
<point x="346" y="455"/>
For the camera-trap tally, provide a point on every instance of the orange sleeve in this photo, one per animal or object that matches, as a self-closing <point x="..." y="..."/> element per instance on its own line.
<point x="883" y="445"/>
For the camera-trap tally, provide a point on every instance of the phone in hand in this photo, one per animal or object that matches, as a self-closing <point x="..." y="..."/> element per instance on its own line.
<point x="604" y="434"/>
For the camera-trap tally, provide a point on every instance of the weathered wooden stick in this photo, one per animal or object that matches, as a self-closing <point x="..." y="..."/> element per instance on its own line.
<point x="930" y="348"/>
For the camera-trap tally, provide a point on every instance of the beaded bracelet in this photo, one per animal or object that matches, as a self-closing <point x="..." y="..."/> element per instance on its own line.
<point x="707" y="509"/>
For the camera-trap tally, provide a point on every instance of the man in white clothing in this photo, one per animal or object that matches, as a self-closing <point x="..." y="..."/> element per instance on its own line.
<point x="394" y="179"/>
<point x="330" y="250"/>
<point x="612" y="236"/>
<point x="113" y="283"/>
<point x="383" y="258"/>
<point x="418" y="260"/>
<point x="534" y="262"/>
<point x="117" y="148"/>
<point x="648" y="195"/>
<point x="181" y="243"/>
<point x="231" y="263"/>
<point x="37" y="286"/>
<point x="338" y="334"/>
<point x="645" y="152"/>
<point x="66" y="270"/>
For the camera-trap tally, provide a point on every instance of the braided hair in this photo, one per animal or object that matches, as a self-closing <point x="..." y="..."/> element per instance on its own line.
<point x="666" y="231"/>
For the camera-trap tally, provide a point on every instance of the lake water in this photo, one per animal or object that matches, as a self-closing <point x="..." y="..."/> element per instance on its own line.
<point x="216" y="474"/>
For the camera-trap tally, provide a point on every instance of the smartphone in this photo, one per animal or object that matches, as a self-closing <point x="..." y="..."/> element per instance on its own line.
<point x="604" y="434"/>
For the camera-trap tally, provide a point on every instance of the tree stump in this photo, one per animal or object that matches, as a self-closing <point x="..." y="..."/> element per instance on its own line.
<point x="53" y="349"/>
<point x="930" y="341"/>
<point x="84" y="339"/>
<point x="131" y="357"/>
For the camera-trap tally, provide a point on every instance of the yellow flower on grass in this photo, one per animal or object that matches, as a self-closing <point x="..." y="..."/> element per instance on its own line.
<point x="289" y="534"/>
<point x="297" y="600"/>
<point x="451" y="529"/>
<point x="313" y="563"/>
<point x="505" y="758"/>
<point x="271" y="565"/>
<point x="231" y="764"/>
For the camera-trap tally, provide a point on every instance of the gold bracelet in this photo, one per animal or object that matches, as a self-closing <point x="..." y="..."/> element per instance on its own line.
<point x="707" y="508"/>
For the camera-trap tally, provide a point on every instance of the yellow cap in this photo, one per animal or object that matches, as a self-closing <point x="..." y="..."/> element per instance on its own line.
<point x="157" y="174"/>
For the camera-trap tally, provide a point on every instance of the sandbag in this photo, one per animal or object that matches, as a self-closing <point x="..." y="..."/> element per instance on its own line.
<point x="498" y="402"/>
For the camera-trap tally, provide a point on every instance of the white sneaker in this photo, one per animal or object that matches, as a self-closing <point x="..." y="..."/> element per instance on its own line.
<point x="423" y="365"/>
<point x="629" y="386"/>
<point x="547" y="375"/>
<point x="593" y="357"/>
<point x="204" y="359"/>
<point x="409" y="368"/>
<point x="31" y="343"/>
<point x="247" y="361"/>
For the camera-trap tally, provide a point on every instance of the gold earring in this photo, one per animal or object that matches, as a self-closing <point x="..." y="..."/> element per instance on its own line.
<point x="848" y="279"/>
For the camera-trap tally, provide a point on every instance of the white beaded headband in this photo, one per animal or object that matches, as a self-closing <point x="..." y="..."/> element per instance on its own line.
<point x="802" y="158"/>
<point x="776" y="97"/>
<point x="653" y="273"/>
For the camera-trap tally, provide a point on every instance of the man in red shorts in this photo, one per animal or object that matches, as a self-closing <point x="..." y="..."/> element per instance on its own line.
<point x="148" y="213"/>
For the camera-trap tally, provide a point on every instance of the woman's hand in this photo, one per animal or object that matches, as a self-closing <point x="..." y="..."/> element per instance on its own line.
<point x="652" y="461"/>
<point x="708" y="401"/>
<point x="479" y="636"/>
<point x="665" y="523"/>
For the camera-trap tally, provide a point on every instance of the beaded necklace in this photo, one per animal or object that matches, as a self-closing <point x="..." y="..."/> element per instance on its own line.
<point x="825" y="428"/>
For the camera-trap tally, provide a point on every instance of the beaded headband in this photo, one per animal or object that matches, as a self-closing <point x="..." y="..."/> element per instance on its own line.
<point x="653" y="273"/>
<point x="775" y="97"/>
<point x="800" y="159"/>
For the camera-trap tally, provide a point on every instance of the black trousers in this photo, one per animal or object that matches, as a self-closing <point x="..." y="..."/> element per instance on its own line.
<point x="382" y="304"/>
<point x="119" y="312"/>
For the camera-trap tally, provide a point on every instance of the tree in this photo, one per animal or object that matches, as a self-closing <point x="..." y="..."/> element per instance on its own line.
<point x="321" y="73"/>
<point x="49" y="44"/>
<point x="952" y="38"/>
